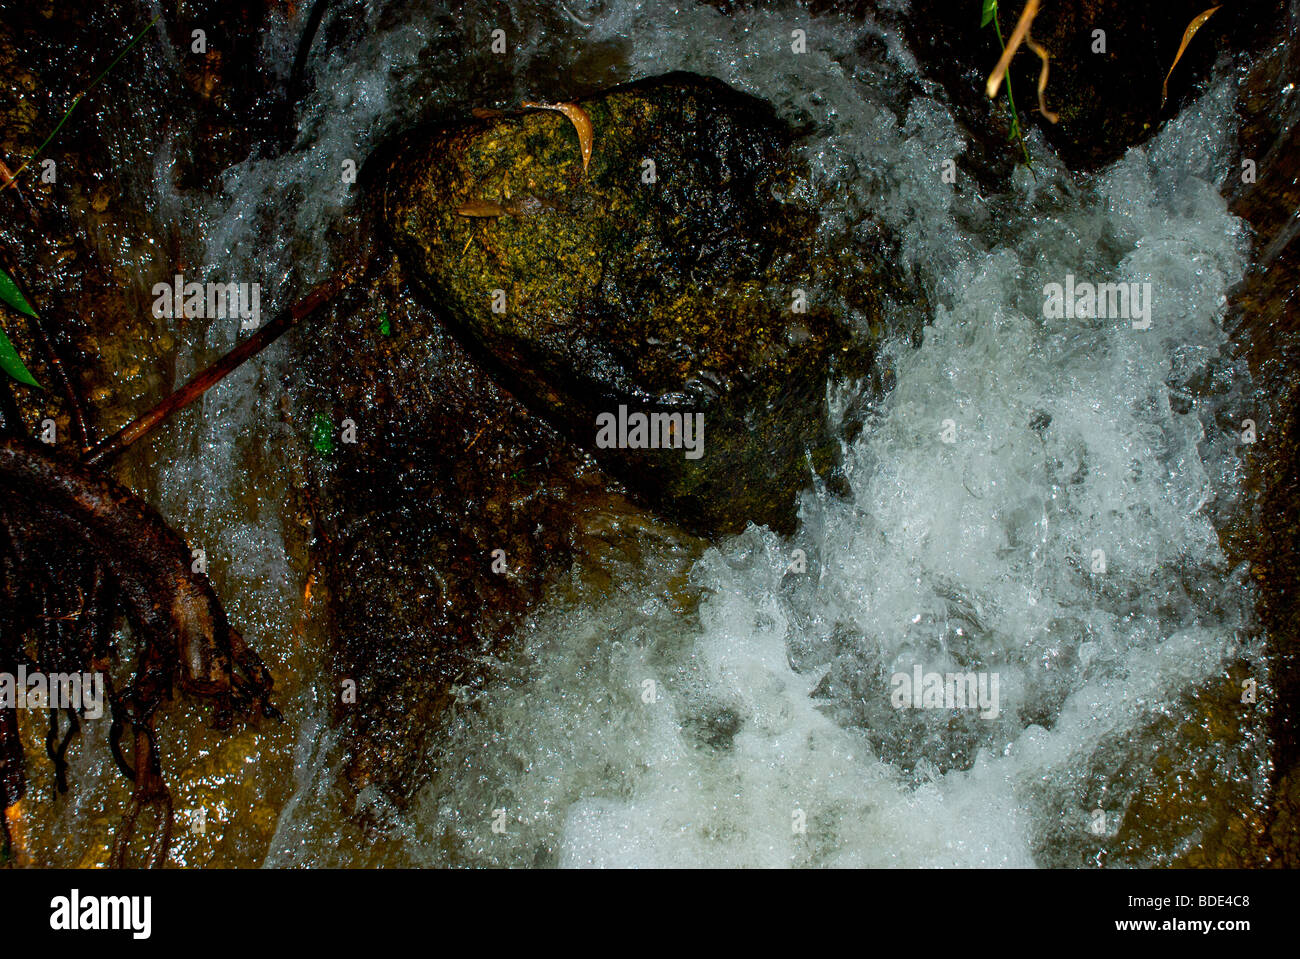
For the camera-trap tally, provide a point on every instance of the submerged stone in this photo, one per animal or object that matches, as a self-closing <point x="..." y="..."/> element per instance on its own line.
<point x="666" y="307"/>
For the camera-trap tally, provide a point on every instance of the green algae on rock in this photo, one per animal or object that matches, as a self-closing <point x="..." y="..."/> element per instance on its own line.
<point x="676" y="276"/>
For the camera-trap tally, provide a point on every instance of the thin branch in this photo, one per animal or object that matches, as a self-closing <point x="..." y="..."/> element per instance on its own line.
<point x="1042" y="78"/>
<point x="320" y="296"/>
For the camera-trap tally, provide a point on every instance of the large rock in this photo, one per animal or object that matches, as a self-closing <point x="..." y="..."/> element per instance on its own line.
<point x="447" y="518"/>
<point x="684" y="295"/>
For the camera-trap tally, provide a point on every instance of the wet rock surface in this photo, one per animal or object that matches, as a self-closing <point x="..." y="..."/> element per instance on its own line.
<point x="85" y="237"/>
<point x="434" y="529"/>
<point x="78" y="232"/>
<point x="676" y="276"/>
<point x="1265" y="319"/>
<point x="452" y="463"/>
<point x="456" y="472"/>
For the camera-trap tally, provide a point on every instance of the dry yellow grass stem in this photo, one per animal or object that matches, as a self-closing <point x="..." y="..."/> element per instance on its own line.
<point x="1017" y="37"/>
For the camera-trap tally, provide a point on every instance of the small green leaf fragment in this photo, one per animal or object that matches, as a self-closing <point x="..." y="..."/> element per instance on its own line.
<point x="13" y="364"/>
<point x="990" y="11"/>
<point x="13" y="296"/>
<point x="385" y="327"/>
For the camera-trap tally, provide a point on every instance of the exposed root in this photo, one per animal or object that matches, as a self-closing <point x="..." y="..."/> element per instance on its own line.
<point x="67" y="530"/>
<point x="59" y="516"/>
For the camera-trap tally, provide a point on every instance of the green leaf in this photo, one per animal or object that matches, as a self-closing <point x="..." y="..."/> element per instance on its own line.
<point x="12" y="363"/>
<point x="385" y="327"/>
<point x="322" y="434"/>
<point x="10" y="294"/>
<point x="990" y="11"/>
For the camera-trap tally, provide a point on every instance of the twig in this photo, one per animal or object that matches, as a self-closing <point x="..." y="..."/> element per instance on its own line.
<point x="76" y="412"/>
<point x="1042" y="78"/>
<point x="203" y="381"/>
<point x="294" y="90"/>
<point x="995" y="78"/>
<point x="1017" y="37"/>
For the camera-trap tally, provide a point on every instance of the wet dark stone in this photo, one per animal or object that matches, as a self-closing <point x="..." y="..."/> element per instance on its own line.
<point x="447" y="468"/>
<point x="1264" y="320"/>
<point x="670" y="297"/>
<point x="459" y="505"/>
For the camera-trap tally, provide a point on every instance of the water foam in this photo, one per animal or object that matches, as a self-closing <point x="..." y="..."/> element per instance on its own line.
<point x="770" y="705"/>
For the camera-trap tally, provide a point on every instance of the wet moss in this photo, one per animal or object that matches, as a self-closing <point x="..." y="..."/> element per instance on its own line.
<point x="664" y="278"/>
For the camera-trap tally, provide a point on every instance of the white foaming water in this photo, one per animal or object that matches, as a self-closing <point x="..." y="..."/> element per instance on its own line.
<point x="770" y="702"/>
<point x="706" y="706"/>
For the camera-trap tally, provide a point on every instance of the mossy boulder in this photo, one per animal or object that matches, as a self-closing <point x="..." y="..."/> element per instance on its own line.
<point x="677" y="274"/>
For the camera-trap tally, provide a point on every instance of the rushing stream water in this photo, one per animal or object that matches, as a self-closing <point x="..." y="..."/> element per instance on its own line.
<point x="732" y="706"/>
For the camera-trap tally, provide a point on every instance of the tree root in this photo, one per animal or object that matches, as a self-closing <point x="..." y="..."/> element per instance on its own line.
<point x="60" y="513"/>
<point x="66" y="526"/>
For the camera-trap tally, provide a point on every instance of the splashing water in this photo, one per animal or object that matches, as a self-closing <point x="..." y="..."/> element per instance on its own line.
<point x="769" y="737"/>
<point x="731" y="706"/>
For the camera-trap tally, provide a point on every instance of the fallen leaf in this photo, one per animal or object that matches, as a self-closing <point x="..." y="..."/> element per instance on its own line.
<point x="581" y="122"/>
<point x="1187" y="38"/>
